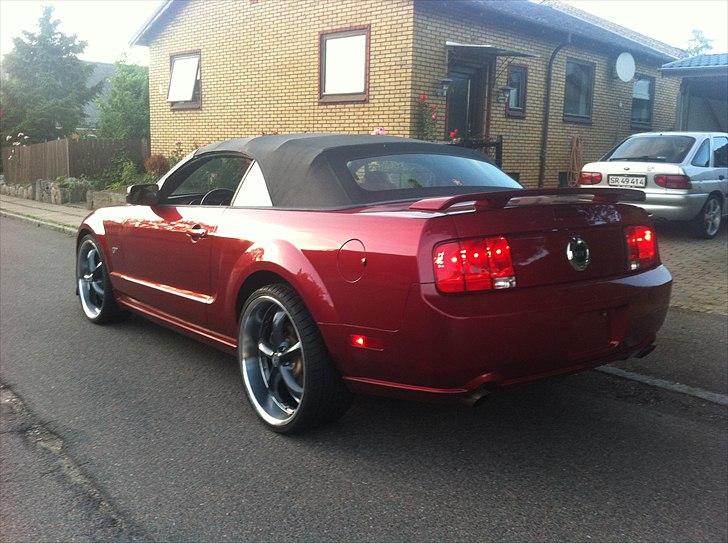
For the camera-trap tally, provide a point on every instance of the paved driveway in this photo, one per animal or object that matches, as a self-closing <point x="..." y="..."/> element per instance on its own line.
<point x="699" y="269"/>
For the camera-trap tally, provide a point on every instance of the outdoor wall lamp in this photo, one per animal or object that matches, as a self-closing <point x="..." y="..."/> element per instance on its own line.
<point x="503" y="94"/>
<point x="445" y="83"/>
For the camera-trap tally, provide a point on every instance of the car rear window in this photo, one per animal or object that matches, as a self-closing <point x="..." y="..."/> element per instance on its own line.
<point x="426" y="171"/>
<point x="653" y="149"/>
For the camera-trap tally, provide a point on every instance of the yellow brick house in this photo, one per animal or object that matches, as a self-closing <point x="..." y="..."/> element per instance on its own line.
<point x="487" y="68"/>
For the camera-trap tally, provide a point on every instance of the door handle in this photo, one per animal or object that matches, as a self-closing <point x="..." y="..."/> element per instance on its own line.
<point x="196" y="232"/>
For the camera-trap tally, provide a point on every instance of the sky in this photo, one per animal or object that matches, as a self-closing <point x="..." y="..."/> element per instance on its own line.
<point x="107" y="25"/>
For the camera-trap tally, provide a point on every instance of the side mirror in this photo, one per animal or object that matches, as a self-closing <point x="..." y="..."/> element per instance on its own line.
<point x="146" y="194"/>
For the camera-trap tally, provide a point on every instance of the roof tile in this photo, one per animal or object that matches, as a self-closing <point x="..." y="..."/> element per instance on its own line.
<point x="718" y="60"/>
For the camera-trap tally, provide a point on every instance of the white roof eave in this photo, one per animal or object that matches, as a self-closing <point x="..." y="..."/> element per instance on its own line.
<point x="497" y="51"/>
<point x="139" y="35"/>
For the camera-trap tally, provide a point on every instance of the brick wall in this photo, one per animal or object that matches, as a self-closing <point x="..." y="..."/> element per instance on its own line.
<point x="259" y="63"/>
<point x="259" y="66"/>
<point x="522" y="137"/>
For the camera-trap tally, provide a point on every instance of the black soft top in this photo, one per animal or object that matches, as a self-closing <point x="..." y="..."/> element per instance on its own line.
<point x="308" y="171"/>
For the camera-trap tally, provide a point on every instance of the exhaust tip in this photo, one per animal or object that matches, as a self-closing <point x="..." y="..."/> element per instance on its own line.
<point x="480" y="401"/>
<point x="478" y="396"/>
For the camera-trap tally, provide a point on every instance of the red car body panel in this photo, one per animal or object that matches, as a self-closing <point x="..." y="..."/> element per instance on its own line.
<point x="368" y="271"/>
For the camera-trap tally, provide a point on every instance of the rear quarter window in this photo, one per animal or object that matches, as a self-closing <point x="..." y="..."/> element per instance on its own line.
<point x="702" y="156"/>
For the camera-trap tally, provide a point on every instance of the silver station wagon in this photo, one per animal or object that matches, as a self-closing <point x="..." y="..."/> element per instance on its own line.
<point x="683" y="174"/>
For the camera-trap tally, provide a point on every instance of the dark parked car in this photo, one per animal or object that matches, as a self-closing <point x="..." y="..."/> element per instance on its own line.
<point x="330" y="264"/>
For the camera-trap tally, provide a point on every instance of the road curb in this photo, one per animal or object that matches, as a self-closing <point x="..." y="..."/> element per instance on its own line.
<point x="713" y="397"/>
<point x="58" y="227"/>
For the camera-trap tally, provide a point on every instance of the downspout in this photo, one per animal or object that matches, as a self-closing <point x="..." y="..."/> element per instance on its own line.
<point x="546" y="107"/>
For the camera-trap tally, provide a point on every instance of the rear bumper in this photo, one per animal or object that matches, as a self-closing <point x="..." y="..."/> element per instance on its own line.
<point x="668" y="204"/>
<point x="458" y="347"/>
<point x="673" y="207"/>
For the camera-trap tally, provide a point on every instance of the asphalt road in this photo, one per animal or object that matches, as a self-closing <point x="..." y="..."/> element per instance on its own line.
<point x="131" y="431"/>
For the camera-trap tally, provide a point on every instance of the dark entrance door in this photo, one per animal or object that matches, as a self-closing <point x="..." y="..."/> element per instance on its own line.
<point x="465" y="104"/>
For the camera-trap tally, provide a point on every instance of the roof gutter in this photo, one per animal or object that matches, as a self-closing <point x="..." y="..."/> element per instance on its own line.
<point x="546" y="108"/>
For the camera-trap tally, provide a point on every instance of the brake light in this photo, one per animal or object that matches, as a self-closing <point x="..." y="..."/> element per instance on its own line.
<point x="590" y="178"/>
<point x="473" y="265"/>
<point x="673" y="181"/>
<point x="641" y="247"/>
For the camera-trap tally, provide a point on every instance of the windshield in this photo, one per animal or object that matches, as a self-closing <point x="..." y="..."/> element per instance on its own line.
<point x="426" y="171"/>
<point x="653" y="149"/>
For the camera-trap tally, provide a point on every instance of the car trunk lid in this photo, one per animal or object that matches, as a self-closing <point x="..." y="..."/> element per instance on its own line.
<point x="619" y="173"/>
<point x="539" y="226"/>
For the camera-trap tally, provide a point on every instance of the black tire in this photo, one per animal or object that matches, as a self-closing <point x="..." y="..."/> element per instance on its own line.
<point x="707" y="224"/>
<point x="98" y="308"/>
<point x="323" y="398"/>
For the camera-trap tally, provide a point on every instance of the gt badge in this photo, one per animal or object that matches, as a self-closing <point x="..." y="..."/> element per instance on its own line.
<point x="577" y="253"/>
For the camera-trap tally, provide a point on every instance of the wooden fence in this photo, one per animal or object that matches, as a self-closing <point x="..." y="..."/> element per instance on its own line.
<point x="68" y="158"/>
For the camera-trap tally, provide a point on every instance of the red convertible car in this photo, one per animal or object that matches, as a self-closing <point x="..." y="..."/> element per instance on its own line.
<point x="333" y="264"/>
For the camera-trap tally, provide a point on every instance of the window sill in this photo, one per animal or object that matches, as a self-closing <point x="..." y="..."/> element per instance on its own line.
<point x="356" y="98"/>
<point x="640" y="126"/>
<point x="515" y="114"/>
<point x="185" y="106"/>
<point x="577" y="120"/>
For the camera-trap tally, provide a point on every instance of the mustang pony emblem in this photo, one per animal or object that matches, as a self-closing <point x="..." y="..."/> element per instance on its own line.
<point x="577" y="253"/>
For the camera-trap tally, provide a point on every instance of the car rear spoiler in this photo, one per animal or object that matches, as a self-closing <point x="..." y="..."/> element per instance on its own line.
<point x="499" y="199"/>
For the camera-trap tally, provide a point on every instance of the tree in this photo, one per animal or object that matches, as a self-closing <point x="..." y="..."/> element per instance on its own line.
<point x="698" y="44"/>
<point x="46" y="85"/>
<point x="124" y="111"/>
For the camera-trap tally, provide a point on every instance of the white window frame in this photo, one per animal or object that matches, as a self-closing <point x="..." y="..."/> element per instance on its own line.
<point x="344" y="65"/>
<point x="181" y="75"/>
<point x="651" y="82"/>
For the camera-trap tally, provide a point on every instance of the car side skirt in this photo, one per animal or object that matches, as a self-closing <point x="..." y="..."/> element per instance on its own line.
<point x="219" y="341"/>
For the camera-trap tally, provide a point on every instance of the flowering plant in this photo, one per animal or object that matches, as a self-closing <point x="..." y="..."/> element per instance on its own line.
<point x="379" y="131"/>
<point x="426" y="118"/>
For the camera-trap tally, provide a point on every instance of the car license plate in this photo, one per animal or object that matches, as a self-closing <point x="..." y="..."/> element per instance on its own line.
<point x="639" y="181"/>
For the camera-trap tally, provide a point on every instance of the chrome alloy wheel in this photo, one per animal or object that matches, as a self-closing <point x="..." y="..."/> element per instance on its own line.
<point x="712" y="216"/>
<point x="90" y="278"/>
<point x="272" y="360"/>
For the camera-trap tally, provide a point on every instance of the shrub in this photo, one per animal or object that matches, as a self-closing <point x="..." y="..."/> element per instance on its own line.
<point x="176" y="154"/>
<point x="129" y="173"/>
<point x="156" y="165"/>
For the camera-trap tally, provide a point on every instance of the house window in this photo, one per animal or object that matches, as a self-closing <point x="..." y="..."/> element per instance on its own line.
<point x="184" y="81"/>
<point x="643" y="94"/>
<point x="517" y="76"/>
<point x="578" y="91"/>
<point x="344" y="65"/>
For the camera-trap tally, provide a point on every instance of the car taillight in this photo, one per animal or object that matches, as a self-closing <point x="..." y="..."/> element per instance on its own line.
<point x="641" y="247"/>
<point x="673" y="181"/>
<point x="590" y="178"/>
<point x="473" y="265"/>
